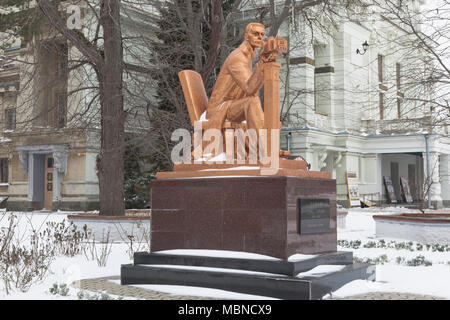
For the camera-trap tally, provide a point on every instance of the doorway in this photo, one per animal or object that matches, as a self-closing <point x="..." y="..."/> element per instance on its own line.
<point x="395" y="177"/>
<point x="45" y="165"/>
<point x="406" y="165"/>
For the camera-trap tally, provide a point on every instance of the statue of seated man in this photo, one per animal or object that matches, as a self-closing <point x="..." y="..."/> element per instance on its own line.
<point x="235" y="93"/>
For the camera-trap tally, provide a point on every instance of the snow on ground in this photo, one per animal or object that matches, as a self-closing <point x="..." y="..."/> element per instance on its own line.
<point x="63" y="270"/>
<point x="392" y="272"/>
<point x="218" y="253"/>
<point x="394" y="259"/>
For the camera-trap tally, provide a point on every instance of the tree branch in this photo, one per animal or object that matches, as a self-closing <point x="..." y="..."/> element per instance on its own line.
<point x="88" y="50"/>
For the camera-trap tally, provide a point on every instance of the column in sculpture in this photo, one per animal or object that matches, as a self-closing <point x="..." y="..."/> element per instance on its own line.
<point x="272" y="104"/>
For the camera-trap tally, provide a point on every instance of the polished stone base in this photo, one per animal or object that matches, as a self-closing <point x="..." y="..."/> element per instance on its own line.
<point x="300" y="280"/>
<point x="274" y="216"/>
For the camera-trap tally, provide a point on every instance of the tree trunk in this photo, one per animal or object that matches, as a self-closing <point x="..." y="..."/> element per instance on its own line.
<point x="110" y="159"/>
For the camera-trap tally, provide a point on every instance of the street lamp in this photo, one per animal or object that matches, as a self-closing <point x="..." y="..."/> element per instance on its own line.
<point x="365" y="46"/>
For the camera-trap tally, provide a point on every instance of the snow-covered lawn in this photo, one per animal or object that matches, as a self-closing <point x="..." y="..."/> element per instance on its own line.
<point x="63" y="269"/>
<point x="401" y="266"/>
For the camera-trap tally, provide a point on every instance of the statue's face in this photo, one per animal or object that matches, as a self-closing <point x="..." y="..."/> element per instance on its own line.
<point x="255" y="36"/>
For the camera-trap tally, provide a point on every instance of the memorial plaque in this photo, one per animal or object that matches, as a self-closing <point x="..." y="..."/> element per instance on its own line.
<point x="313" y="216"/>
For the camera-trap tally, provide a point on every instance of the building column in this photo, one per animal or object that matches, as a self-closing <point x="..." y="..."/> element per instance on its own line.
<point x="324" y="82"/>
<point x="28" y="166"/>
<point x="435" y="188"/>
<point x="60" y="168"/>
<point x="341" y="180"/>
<point x="301" y="76"/>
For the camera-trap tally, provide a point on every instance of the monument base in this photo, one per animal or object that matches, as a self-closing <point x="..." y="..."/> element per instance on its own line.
<point x="305" y="279"/>
<point x="274" y="216"/>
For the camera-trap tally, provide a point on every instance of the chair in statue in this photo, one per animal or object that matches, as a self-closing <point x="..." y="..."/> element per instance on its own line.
<point x="197" y="101"/>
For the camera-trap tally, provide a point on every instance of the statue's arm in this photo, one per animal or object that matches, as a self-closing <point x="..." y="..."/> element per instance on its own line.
<point x="250" y="82"/>
<point x="256" y="79"/>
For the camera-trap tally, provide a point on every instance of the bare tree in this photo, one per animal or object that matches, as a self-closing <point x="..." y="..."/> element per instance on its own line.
<point x="108" y="65"/>
<point x="133" y="89"/>
<point x="426" y="35"/>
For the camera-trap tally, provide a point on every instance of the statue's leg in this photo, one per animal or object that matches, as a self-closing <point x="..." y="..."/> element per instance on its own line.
<point x="248" y="109"/>
<point x="254" y="114"/>
<point x="217" y="116"/>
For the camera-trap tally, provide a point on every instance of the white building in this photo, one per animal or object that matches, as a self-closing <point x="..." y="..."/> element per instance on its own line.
<point x="354" y="115"/>
<point x="347" y="111"/>
<point x="342" y="111"/>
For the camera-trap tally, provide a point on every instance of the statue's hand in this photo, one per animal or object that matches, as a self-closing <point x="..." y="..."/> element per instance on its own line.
<point x="267" y="53"/>
<point x="269" y="57"/>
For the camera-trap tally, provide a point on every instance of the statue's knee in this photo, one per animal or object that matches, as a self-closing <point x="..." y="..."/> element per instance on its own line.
<point x="254" y="103"/>
<point x="254" y="100"/>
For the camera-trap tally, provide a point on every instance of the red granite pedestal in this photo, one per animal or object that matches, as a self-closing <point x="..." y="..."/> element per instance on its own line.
<point x="252" y="214"/>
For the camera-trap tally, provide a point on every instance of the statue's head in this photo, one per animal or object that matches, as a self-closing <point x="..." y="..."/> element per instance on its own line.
<point x="254" y="34"/>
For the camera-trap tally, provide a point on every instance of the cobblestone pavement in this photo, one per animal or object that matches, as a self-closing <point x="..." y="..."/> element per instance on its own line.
<point x="106" y="285"/>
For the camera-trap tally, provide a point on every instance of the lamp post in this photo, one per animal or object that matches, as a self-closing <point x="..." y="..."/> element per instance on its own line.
<point x="365" y="46"/>
<point x="288" y="141"/>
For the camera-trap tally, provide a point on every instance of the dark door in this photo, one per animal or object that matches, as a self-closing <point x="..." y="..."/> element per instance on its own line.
<point x="412" y="180"/>
<point x="395" y="179"/>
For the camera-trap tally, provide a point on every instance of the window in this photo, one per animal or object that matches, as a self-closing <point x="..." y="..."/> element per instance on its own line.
<point x="61" y="110"/>
<point x="380" y="68"/>
<point x="61" y="51"/>
<point x="399" y="91"/>
<point x="50" y="162"/>
<point x="381" y="87"/>
<point x="4" y="170"/>
<point x="11" y="119"/>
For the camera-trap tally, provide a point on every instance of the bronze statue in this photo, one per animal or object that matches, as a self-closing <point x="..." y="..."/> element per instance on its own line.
<point x="235" y="93"/>
<point x="234" y="102"/>
<point x="235" y="105"/>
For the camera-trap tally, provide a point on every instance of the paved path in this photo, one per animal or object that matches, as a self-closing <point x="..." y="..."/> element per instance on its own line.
<point x="106" y="285"/>
<point x="388" y="296"/>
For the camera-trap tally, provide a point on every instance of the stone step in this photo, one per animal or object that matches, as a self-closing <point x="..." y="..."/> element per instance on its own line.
<point x="304" y="287"/>
<point x="277" y="266"/>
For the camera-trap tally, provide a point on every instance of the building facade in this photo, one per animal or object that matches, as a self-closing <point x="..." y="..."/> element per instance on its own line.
<point x="50" y="124"/>
<point x="46" y="164"/>
<point x="363" y="111"/>
<point x="343" y="111"/>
